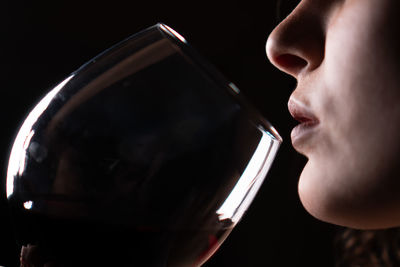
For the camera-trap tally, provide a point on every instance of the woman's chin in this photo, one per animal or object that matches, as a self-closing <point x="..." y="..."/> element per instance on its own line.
<point x="331" y="203"/>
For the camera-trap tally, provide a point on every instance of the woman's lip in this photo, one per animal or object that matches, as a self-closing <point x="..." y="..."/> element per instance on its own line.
<point x="302" y="132"/>
<point x="308" y="121"/>
<point x="301" y="112"/>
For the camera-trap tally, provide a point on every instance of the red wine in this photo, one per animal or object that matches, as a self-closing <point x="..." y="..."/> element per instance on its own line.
<point x="68" y="243"/>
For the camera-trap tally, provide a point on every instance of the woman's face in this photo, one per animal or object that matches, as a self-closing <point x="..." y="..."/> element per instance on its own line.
<point x="345" y="55"/>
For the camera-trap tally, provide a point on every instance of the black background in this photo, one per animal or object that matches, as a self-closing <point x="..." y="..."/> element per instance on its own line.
<point x="42" y="42"/>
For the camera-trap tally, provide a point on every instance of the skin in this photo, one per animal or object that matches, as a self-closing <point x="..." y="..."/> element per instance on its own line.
<point x="345" y="56"/>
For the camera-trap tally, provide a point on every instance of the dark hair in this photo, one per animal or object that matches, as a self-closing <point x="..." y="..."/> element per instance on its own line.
<point x="368" y="248"/>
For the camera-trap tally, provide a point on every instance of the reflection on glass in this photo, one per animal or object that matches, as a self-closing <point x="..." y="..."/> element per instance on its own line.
<point x="28" y="205"/>
<point x="249" y="182"/>
<point x="18" y="152"/>
<point x="145" y="156"/>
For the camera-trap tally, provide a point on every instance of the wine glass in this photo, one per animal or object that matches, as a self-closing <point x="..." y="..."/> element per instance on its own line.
<point x="144" y="156"/>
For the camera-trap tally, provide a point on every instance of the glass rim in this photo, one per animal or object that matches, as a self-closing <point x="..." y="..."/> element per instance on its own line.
<point x="189" y="51"/>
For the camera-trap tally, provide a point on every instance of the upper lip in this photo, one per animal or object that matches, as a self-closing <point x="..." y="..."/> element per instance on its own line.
<point x="301" y="112"/>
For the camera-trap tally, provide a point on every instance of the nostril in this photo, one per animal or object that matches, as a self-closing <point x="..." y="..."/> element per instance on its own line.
<point x="290" y="63"/>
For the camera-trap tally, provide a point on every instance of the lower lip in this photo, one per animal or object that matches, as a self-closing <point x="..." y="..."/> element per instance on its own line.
<point x="302" y="132"/>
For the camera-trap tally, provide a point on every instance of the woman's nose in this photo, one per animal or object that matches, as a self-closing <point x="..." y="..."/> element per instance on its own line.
<point x="297" y="44"/>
